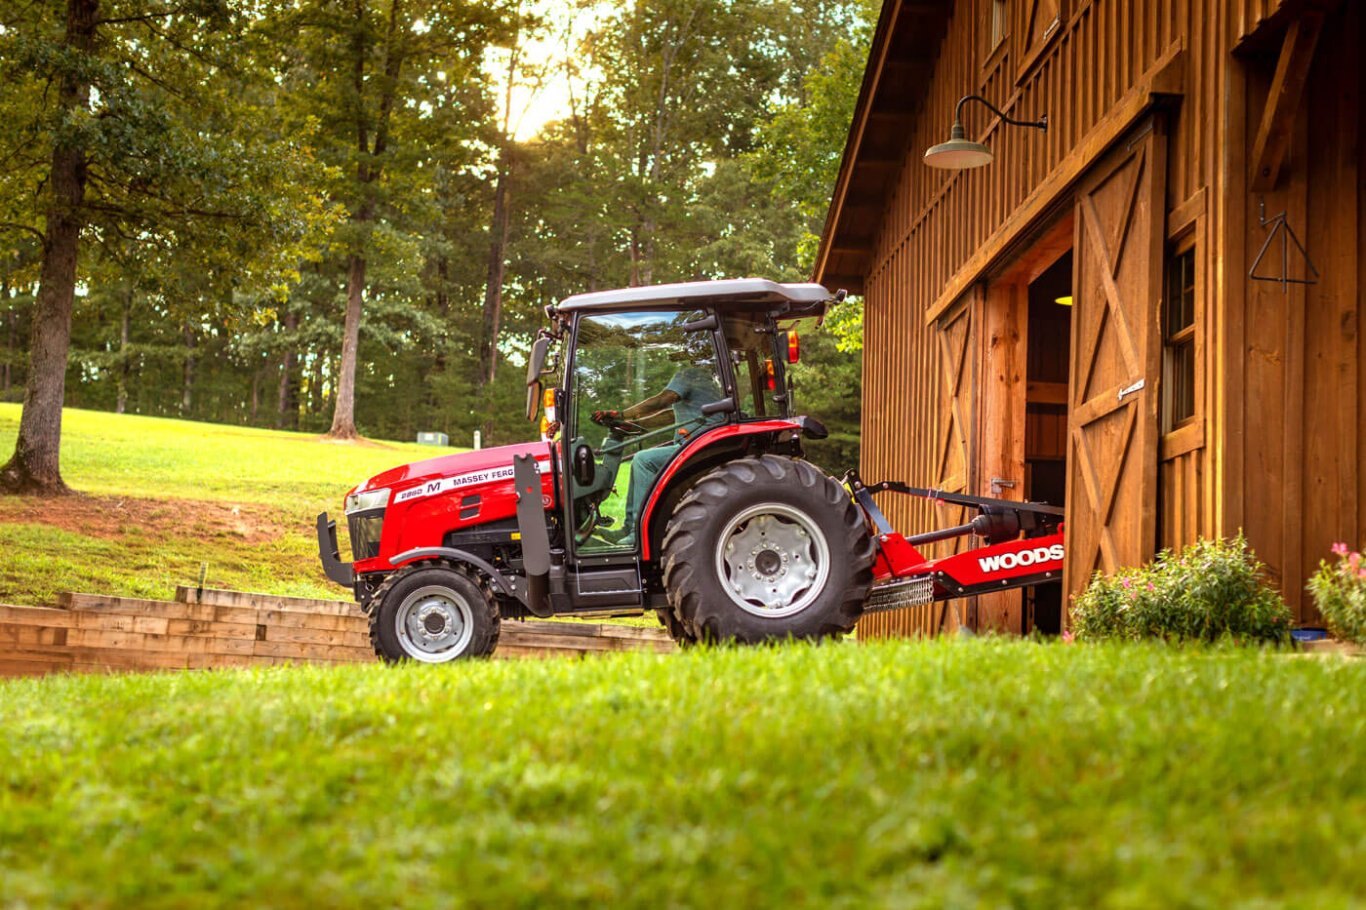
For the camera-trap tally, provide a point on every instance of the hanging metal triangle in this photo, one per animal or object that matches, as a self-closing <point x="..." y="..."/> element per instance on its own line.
<point x="1282" y="229"/>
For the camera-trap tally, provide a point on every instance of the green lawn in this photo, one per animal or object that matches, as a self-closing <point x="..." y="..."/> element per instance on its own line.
<point x="960" y="774"/>
<point x="160" y="501"/>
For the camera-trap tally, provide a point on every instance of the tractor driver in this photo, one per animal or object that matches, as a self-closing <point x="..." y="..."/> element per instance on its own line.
<point x="680" y="402"/>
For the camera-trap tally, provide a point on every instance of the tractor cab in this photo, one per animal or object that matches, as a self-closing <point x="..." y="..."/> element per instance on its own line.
<point x="650" y="377"/>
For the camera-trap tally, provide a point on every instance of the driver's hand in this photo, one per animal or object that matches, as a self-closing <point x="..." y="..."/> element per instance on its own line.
<point x="604" y="417"/>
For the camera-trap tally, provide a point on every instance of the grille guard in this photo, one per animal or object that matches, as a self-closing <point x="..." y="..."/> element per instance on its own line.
<point x="338" y="571"/>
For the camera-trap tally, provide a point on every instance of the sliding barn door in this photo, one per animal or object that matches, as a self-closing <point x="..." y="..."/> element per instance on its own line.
<point x="1116" y="355"/>
<point x="957" y="407"/>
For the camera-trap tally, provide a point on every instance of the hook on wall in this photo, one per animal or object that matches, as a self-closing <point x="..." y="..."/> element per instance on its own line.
<point x="1279" y="226"/>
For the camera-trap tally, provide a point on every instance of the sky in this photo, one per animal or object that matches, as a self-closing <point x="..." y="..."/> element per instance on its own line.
<point x="541" y="91"/>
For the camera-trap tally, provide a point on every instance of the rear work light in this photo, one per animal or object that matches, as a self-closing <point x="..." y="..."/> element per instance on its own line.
<point x="794" y="347"/>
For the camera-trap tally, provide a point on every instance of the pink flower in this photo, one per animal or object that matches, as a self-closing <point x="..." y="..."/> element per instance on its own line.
<point x="1354" y="561"/>
<point x="1067" y="637"/>
<point x="1128" y="582"/>
<point x="1339" y="549"/>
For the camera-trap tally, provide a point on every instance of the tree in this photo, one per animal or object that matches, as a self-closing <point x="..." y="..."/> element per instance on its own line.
<point x="138" y="143"/>
<point x="372" y="72"/>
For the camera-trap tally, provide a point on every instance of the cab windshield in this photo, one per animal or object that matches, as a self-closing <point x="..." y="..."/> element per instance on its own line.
<point x="640" y="386"/>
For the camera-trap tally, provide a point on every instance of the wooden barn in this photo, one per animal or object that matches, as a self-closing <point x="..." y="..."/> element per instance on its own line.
<point x="1148" y="310"/>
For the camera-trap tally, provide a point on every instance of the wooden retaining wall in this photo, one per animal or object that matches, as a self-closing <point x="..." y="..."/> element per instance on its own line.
<point x="211" y="628"/>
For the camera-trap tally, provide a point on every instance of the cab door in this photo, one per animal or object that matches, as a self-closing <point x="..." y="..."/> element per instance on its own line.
<point x="628" y="361"/>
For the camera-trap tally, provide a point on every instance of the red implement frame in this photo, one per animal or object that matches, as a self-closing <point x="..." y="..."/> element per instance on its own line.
<point x="1023" y="546"/>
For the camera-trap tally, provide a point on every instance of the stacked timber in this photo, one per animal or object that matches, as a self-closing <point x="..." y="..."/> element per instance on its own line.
<point x="211" y="628"/>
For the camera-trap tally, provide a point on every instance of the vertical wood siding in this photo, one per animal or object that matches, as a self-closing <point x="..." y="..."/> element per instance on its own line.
<point x="1210" y="478"/>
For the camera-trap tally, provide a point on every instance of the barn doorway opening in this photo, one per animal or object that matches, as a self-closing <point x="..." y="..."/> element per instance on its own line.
<point x="1048" y="359"/>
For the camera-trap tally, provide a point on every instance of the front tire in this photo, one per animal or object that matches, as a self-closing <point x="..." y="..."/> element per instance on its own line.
<point x="767" y="548"/>
<point x="433" y="614"/>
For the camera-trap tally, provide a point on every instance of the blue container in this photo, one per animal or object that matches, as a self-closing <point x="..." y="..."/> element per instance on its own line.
<point x="1309" y="634"/>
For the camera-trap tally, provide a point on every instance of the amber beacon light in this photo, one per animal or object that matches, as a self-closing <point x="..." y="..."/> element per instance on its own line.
<point x="960" y="152"/>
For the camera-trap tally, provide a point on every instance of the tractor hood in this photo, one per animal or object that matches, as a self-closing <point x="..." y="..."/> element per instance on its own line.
<point x="463" y="465"/>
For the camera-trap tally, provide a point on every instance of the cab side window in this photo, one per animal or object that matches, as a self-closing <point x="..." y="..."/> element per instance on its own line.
<point x="758" y="371"/>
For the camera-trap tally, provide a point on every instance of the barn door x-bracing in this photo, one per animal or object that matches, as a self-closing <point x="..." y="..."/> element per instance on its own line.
<point x="1116" y="356"/>
<point x="953" y="454"/>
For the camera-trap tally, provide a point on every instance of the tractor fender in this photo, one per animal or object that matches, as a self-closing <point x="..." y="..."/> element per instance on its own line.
<point x="500" y="584"/>
<point x="700" y="445"/>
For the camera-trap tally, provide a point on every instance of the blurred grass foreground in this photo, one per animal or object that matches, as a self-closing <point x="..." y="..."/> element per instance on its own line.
<point x="940" y="774"/>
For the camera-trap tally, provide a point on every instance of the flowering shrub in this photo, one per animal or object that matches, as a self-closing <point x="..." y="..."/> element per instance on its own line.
<point x="1340" y="593"/>
<point x="1213" y="589"/>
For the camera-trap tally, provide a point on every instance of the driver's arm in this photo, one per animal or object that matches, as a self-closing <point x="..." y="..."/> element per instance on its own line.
<point x="655" y="411"/>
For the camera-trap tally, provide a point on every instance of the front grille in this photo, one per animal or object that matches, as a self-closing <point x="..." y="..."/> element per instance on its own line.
<point x="365" y="528"/>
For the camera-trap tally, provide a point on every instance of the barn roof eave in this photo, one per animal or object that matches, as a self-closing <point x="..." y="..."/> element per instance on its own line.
<point x="907" y="40"/>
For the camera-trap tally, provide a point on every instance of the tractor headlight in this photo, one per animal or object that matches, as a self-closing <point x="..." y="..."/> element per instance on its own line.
<point x="370" y="499"/>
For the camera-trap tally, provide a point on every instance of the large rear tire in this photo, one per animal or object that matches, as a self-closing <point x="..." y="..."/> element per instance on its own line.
<point x="433" y="613"/>
<point x="767" y="548"/>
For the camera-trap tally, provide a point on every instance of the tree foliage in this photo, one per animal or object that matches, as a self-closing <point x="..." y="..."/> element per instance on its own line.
<point x="259" y="172"/>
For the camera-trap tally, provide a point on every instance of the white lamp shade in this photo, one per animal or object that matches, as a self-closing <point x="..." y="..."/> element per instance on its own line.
<point x="957" y="154"/>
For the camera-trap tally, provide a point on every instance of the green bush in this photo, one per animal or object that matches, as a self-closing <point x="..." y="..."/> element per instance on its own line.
<point x="1212" y="590"/>
<point x="1340" y="593"/>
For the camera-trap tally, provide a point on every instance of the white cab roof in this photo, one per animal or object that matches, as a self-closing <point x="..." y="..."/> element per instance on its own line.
<point x="731" y="293"/>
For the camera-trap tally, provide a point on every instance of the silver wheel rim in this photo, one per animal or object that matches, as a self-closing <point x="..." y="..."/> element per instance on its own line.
<point x="772" y="560"/>
<point x="434" y="624"/>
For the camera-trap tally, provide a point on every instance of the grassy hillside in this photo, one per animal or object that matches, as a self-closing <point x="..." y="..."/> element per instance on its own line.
<point x="982" y="773"/>
<point x="163" y="496"/>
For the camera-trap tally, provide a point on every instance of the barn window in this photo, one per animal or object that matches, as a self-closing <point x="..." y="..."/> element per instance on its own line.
<point x="1178" y="340"/>
<point x="1038" y="23"/>
<point x="999" y="24"/>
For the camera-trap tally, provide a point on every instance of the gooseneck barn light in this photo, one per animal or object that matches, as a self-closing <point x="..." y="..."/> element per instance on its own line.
<point x="959" y="152"/>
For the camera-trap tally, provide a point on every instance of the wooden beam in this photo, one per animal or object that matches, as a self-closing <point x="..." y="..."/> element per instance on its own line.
<point x="1166" y="77"/>
<point x="1046" y="393"/>
<point x="1283" y="101"/>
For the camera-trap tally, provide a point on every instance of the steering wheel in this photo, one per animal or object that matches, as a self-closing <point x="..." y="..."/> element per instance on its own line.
<point x="617" y="425"/>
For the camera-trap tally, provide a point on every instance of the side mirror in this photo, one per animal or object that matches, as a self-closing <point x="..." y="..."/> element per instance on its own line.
<point x="533" y="399"/>
<point x="534" y="368"/>
<point x="585" y="468"/>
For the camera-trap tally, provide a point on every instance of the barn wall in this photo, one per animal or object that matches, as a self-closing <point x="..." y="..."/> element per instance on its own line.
<point x="1298" y="387"/>
<point x="1279" y="429"/>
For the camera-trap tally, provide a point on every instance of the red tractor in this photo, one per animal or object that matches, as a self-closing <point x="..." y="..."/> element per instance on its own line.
<point x="670" y="478"/>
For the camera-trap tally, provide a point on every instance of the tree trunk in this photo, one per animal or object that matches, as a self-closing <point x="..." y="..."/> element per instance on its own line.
<point x="121" y="406"/>
<point x="35" y="466"/>
<point x="498" y="230"/>
<point x="368" y="171"/>
<point x="493" y="290"/>
<point x="344" y="415"/>
<point x="187" y="386"/>
<point x="287" y="409"/>
<point x="316" y="401"/>
<point x="6" y="367"/>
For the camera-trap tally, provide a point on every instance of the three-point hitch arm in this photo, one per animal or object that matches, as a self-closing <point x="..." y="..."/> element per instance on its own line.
<point x="998" y="519"/>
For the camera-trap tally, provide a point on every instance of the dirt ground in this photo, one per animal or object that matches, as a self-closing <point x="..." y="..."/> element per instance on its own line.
<point x="113" y="516"/>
